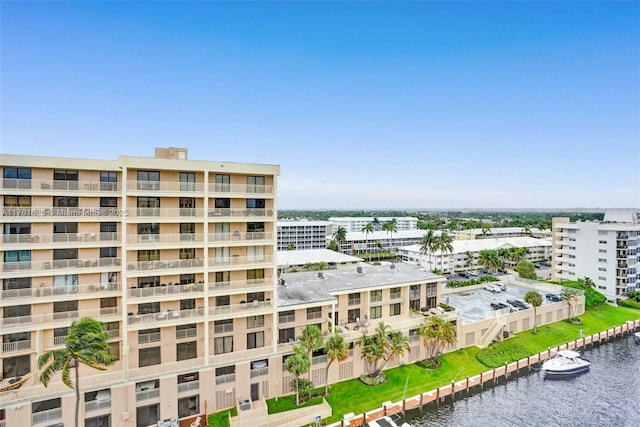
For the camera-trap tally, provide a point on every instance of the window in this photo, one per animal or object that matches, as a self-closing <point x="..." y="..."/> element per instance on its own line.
<point x="222" y="300"/>
<point x="148" y="282"/>
<point x="394" y="309"/>
<point x="314" y="313"/>
<point x="223" y="345"/>
<point x="187" y="253"/>
<point x="149" y="255"/>
<point x="17" y="201"/>
<point x="65" y="228"/>
<point x="17" y="228"/>
<point x="255" y="184"/>
<point x="188" y="304"/>
<point x="221" y="326"/>
<point x="149" y="307"/>
<point x="186" y="331"/>
<point x="354" y="299"/>
<point x="255" y="274"/>
<point x="148" y="180"/>
<point x="187" y="206"/>
<point x="65" y="309"/>
<point x="223" y="183"/>
<point x="376" y="295"/>
<point x="108" y="305"/>
<point x="286" y="335"/>
<point x="255" y="296"/>
<point x="602" y="242"/>
<point x="108" y="231"/>
<point x="352" y="315"/>
<point x="108" y="181"/>
<point x="602" y="251"/>
<point x="187" y="231"/>
<point x="187" y="181"/>
<point x="67" y="283"/>
<point x="222" y="203"/>
<point x="65" y="202"/>
<point x="255" y="322"/>
<point x="395" y="293"/>
<point x="65" y="179"/>
<point x="17" y="178"/>
<point x="109" y="252"/>
<point x="16" y="283"/>
<point x="148" y="206"/>
<point x="255" y="227"/>
<point x="186" y="279"/>
<point x="46" y="405"/>
<point x="71" y="253"/>
<point x="375" y="312"/>
<point x="147" y="415"/>
<point x="101" y="421"/>
<point x="602" y="260"/>
<point x="187" y="350"/>
<point x="287" y="316"/>
<point x="255" y="340"/>
<point x="16" y="366"/>
<point x="188" y="406"/>
<point x="255" y="204"/>
<point x="17" y="256"/>
<point x="149" y="356"/>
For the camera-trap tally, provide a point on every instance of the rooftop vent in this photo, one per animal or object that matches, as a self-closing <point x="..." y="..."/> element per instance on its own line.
<point x="392" y="266"/>
<point x="321" y="274"/>
<point x="360" y="270"/>
<point x="281" y="282"/>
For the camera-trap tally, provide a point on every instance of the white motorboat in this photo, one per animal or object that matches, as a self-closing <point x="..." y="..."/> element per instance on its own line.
<point x="385" y="422"/>
<point x="566" y="362"/>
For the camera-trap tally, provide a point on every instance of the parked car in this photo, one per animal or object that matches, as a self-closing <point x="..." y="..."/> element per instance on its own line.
<point x="473" y="273"/>
<point x="499" y="305"/>
<point x="465" y="275"/>
<point x="518" y="303"/>
<point x="492" y="288"/>
<point x="554" y="297"/>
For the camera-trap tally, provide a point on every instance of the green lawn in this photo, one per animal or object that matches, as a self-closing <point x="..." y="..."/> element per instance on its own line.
<point x="354" y="396"/>
<point x="221" y="419"/>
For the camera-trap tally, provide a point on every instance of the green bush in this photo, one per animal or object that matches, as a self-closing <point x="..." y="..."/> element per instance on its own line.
<point x="593" y="298"/>
<point x="470" y="282"/>
<point x="629" y="303"/>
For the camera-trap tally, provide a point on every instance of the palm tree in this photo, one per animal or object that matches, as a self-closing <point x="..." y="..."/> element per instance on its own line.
<point x="376" y="223"/>
<point x="396" y="346"/>
<point x="86" y="345"/>
<point x="311" y="339"/>
<point x="391" y="227"/>
<point x="336" y="348"/>
<point x="339" y="236"/>
<point x="428" y="241"/>
<point x="366" y="230"/>
<point x="569" y="295"/>
<point x="526" y="230"/>
<point x="379" y="246"/>
<point x="445" y="244"/>
<point x="586" y="283"/>
<point x="298" y="364"/>
<point x="382" y="346"/>
<point x="469" y="260"/>
<point x="535" y="299"/>
<point x="489" y="259"/>
<point x="437" y="333"/>
<point x="486" y="230"/>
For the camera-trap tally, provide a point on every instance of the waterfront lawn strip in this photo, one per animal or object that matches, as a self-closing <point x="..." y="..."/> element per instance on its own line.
<point x="221" y="419"/>
<point x="287" y="403"/>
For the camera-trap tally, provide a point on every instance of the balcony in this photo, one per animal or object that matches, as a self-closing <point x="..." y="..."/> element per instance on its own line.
<point x="39" y="267"/>
<point x="46" y="213"/>
<point x="165" y="186"/>
<point x="60" y="290"/>
<point x="240" y="260"/>
<point x="166" y="212"/>
<point x="168" y="315"/>
<point x="242" y="189"/>
<point x="245" y="309"/>
<point x="13" y="346"/>
<point x="240" y="237"/>
<point x="240" y="213"/>
<point x="50" y="320"/>
<point x="58" y="238"/>
<point x="153" y="393"/>
<point x="239" y="285"/>
<point x="162" y="239"/>
<point x="57" y="186"/>
<point x="172" y="289"/>
<point x="165" y="264"/>
<point x="46" y="416"/>
<point x="191" y="385"/>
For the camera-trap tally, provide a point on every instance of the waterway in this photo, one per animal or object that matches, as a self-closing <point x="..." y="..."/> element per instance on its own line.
<point x="607" y="395"/>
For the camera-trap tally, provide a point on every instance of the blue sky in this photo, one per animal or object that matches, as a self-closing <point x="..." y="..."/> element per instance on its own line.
<point x="365" y="105"/>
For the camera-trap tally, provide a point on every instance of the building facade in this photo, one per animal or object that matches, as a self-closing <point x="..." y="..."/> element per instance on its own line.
<point x="302" y="235"/>
<point x="352" y="224"/>
<point x="606" y="251"/>
<point x="357" y="242"/>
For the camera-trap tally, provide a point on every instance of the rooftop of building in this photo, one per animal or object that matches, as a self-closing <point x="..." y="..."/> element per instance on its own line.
<point x="302" y="223"/>
<point x="476" y="245"/>
<point x="381" y="235"/>
<point x="307" y="256"/>
<point x="624" y="216"/>
<point x="501" y="230"/>
<point x="382" y="219"/>
<point x="306" y="288"/>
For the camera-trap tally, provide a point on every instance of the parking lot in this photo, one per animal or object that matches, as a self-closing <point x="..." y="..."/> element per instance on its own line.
<point x="475" y="304"/>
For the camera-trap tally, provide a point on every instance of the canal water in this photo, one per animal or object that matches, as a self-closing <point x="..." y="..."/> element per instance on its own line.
<point x="607" y="395"/>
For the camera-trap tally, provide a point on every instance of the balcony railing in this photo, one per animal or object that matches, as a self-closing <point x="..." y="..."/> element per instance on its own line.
<point x="165" y="289"/>
<point x="225" y="379"/>
<point x="259" y="372"/>
<point x="55" y="318"/>
<point x="186" y="333"/>
<point x="165" y="264"/>
<point x="227" y="212"/>
<point x="171" y="186"/>
<point x="238" y="285"/>
<point x="154" y="393"/>
<point x="166" y="212"/>
<point x="166" y="316"/>
<point x="191" y="385"/>
<point x="74" y="264"/>
<point x="34" y="212"/>
<point x="60" y="185"/>
<point x="8" y="347"/>
<point x="149" y="338"/>
<point x="140" y="239"/>
<point x="46" y="416"/>
<point x="245" y="308"/>
<point x="12" y="239"/>
<point x="240" y="260"/>
<point x="96" y="405"/>
<point x="240" y="188"/>
<point x="60" y="290"/>
<point x="240" y="237"/>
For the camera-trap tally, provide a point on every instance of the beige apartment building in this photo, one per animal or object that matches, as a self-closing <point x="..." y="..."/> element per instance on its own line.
<point x="177" y="258"/>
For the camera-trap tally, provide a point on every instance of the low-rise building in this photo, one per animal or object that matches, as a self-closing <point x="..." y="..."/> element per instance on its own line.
<point x="355" y="223"/>
<point x="302" y="234"/>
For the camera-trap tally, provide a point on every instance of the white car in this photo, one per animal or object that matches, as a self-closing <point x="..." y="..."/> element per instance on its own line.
<point x="492" y="288"/>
